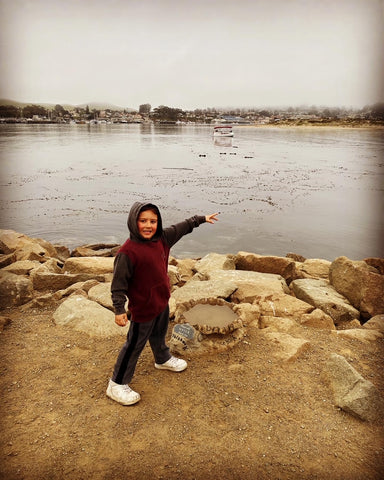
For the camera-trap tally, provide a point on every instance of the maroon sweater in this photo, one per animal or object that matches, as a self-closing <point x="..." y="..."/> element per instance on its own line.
<point x="141" y="268"/>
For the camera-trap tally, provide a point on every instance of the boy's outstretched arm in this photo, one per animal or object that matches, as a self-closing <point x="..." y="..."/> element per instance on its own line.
<point x="173" y="233"/>
<point x="212" y="218"/>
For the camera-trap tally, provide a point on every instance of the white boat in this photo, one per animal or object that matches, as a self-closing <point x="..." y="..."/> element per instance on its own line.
<point x="223" y="131"/>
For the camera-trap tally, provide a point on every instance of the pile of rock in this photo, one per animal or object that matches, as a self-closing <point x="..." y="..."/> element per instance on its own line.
<point x="276" y="295"/>
<point x="342" y="294"/>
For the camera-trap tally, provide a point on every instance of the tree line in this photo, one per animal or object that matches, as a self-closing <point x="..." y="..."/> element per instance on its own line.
<point x="164" y="113"/>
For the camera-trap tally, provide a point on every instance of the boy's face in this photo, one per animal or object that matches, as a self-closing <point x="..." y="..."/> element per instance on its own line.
<point x="147" y="224"/>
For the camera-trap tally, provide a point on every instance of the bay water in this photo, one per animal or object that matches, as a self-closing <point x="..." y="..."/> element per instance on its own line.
<point x="318" y="192"/>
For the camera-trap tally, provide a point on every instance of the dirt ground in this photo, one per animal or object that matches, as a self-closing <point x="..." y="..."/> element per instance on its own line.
<point x="239" y="414"/>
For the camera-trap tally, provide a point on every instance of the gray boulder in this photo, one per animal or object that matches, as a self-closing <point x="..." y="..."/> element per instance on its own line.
<point x="24" y="247"/>
<point x="173" y="275"/>
<point x="361" y="334"/>
<point x="317" y="319"/>
<point x="360" y="283"/>
<point x="7" y="259"/>
<point x="251" y="286"/>
<point x="32" y="251"/>
<point x="286" y="347"/>
<point x="200" y="290"/>
<point x="15" y="290"/>
<point x="22" y="267"/>
<point x="96" y="250"/>
<point x="185" y="268"/>
<point x="101" y="293"/>
<point x="59" y="281"/>
<point x="375" y="323"/>
<point x="283" y="305"/>
<point x="312" y="268"/>
<point x="322" y="295"/>
<point x="352" y="393"/>
<point x="266" y="264"/>
<point x="89" y="265"/>
<point x="86" y="316"/>
<point x="215" y="261"/>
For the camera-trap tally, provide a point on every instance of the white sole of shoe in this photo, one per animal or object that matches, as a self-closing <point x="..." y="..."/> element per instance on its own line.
<point x="109" y="395"/>
<point x="161" y="367"/>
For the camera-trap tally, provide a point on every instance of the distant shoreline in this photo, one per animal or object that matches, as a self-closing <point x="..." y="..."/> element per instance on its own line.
<point x="277" y="125"/>
<point x="331" y="125"/>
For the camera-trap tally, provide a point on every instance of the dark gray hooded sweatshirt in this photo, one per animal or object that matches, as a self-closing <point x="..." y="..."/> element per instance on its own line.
<point x="141" y="265"/>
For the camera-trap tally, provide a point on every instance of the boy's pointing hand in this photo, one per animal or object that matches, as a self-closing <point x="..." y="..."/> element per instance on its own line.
<point x="212" y="218"/>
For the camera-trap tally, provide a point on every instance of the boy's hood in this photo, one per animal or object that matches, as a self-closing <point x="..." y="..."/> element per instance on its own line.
<point x="133" y="215"/>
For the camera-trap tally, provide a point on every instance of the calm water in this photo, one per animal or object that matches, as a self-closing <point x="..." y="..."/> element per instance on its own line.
<point x="317" y="192"/>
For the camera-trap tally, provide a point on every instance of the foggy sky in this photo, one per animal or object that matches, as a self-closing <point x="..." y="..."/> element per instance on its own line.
<point x="193" y="53"/>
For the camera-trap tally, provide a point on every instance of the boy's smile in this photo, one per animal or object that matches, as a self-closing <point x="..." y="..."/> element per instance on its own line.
<point x="147" y="224"/>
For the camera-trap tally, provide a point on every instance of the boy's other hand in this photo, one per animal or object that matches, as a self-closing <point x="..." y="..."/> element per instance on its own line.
<point x="121" y="319"/>
<point x="212" y="218"/>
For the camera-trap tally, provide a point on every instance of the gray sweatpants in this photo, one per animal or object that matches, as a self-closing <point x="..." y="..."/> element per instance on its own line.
<point x="138" y="335"/>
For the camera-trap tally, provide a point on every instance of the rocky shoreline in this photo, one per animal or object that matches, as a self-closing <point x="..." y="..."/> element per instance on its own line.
<point x="276" y="295"/>
<point x="290" y="387"/>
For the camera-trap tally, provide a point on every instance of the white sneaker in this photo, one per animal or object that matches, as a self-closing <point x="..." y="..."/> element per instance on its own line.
<point x="174" y="364"/>
<point x="122" y="393"/>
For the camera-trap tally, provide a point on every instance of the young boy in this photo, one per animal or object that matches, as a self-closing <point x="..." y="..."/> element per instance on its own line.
<point x="140" y="274"/>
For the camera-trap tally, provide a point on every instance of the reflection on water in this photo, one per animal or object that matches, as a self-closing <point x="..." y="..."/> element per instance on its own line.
<point x="223" y="141"/>
<point x="317" y="192"/>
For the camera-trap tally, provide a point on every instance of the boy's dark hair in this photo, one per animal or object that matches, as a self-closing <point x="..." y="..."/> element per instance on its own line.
<point x="150" y="208"/>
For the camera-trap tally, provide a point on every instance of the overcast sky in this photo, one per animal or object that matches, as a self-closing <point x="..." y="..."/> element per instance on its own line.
<point x="193" y="53"/>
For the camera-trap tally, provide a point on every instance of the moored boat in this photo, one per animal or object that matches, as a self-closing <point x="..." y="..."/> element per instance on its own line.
<point x="223" y="131"/>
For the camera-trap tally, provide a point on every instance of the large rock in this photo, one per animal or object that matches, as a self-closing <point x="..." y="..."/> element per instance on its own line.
<point x="10" y="241"/>
<point x="279" y="324"/>
<point x="287" y="347"/>
<point x="22" y="267"/>
<point x="101" y="293"/>
<point x="249" y="313"/>
<point x="25" y="248"/>
<point x="84" y="315"/>
<point x="323" y="296"/>
<point x="215" y="261"/>
<point x="59" y="281"/>
<point x="312" y="268"/>
<point x="32" y="251"/>
<point x="89" y="265"/>
<point x="283" y="305"/>
<point x="196" y="290"/>
<point x="52" y="252"/>
<point x="15" y="290"/>
<point x="63" y="252"/>
<point x="52" y="298"/>
<point x="264" y="264"/>
<point x="84" y="286"/>
<point x="185" y="268"/>
<point x="363" y="335"/>
<point x="7" y="259"/>
<point x="377" y="263"/>
<point x="375" y="323"/>
<point x="360" y="283"/>
<point x="95" y="250"/>
<point x="352" y="393"/>
<point x="52" y="265"/>
<point x="317" y="319"/>
<point x="173" y="275"/>
<point x="251" y="286"/>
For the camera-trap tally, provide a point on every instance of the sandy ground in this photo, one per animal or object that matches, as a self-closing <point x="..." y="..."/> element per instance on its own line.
<point x="239" y="414"/>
